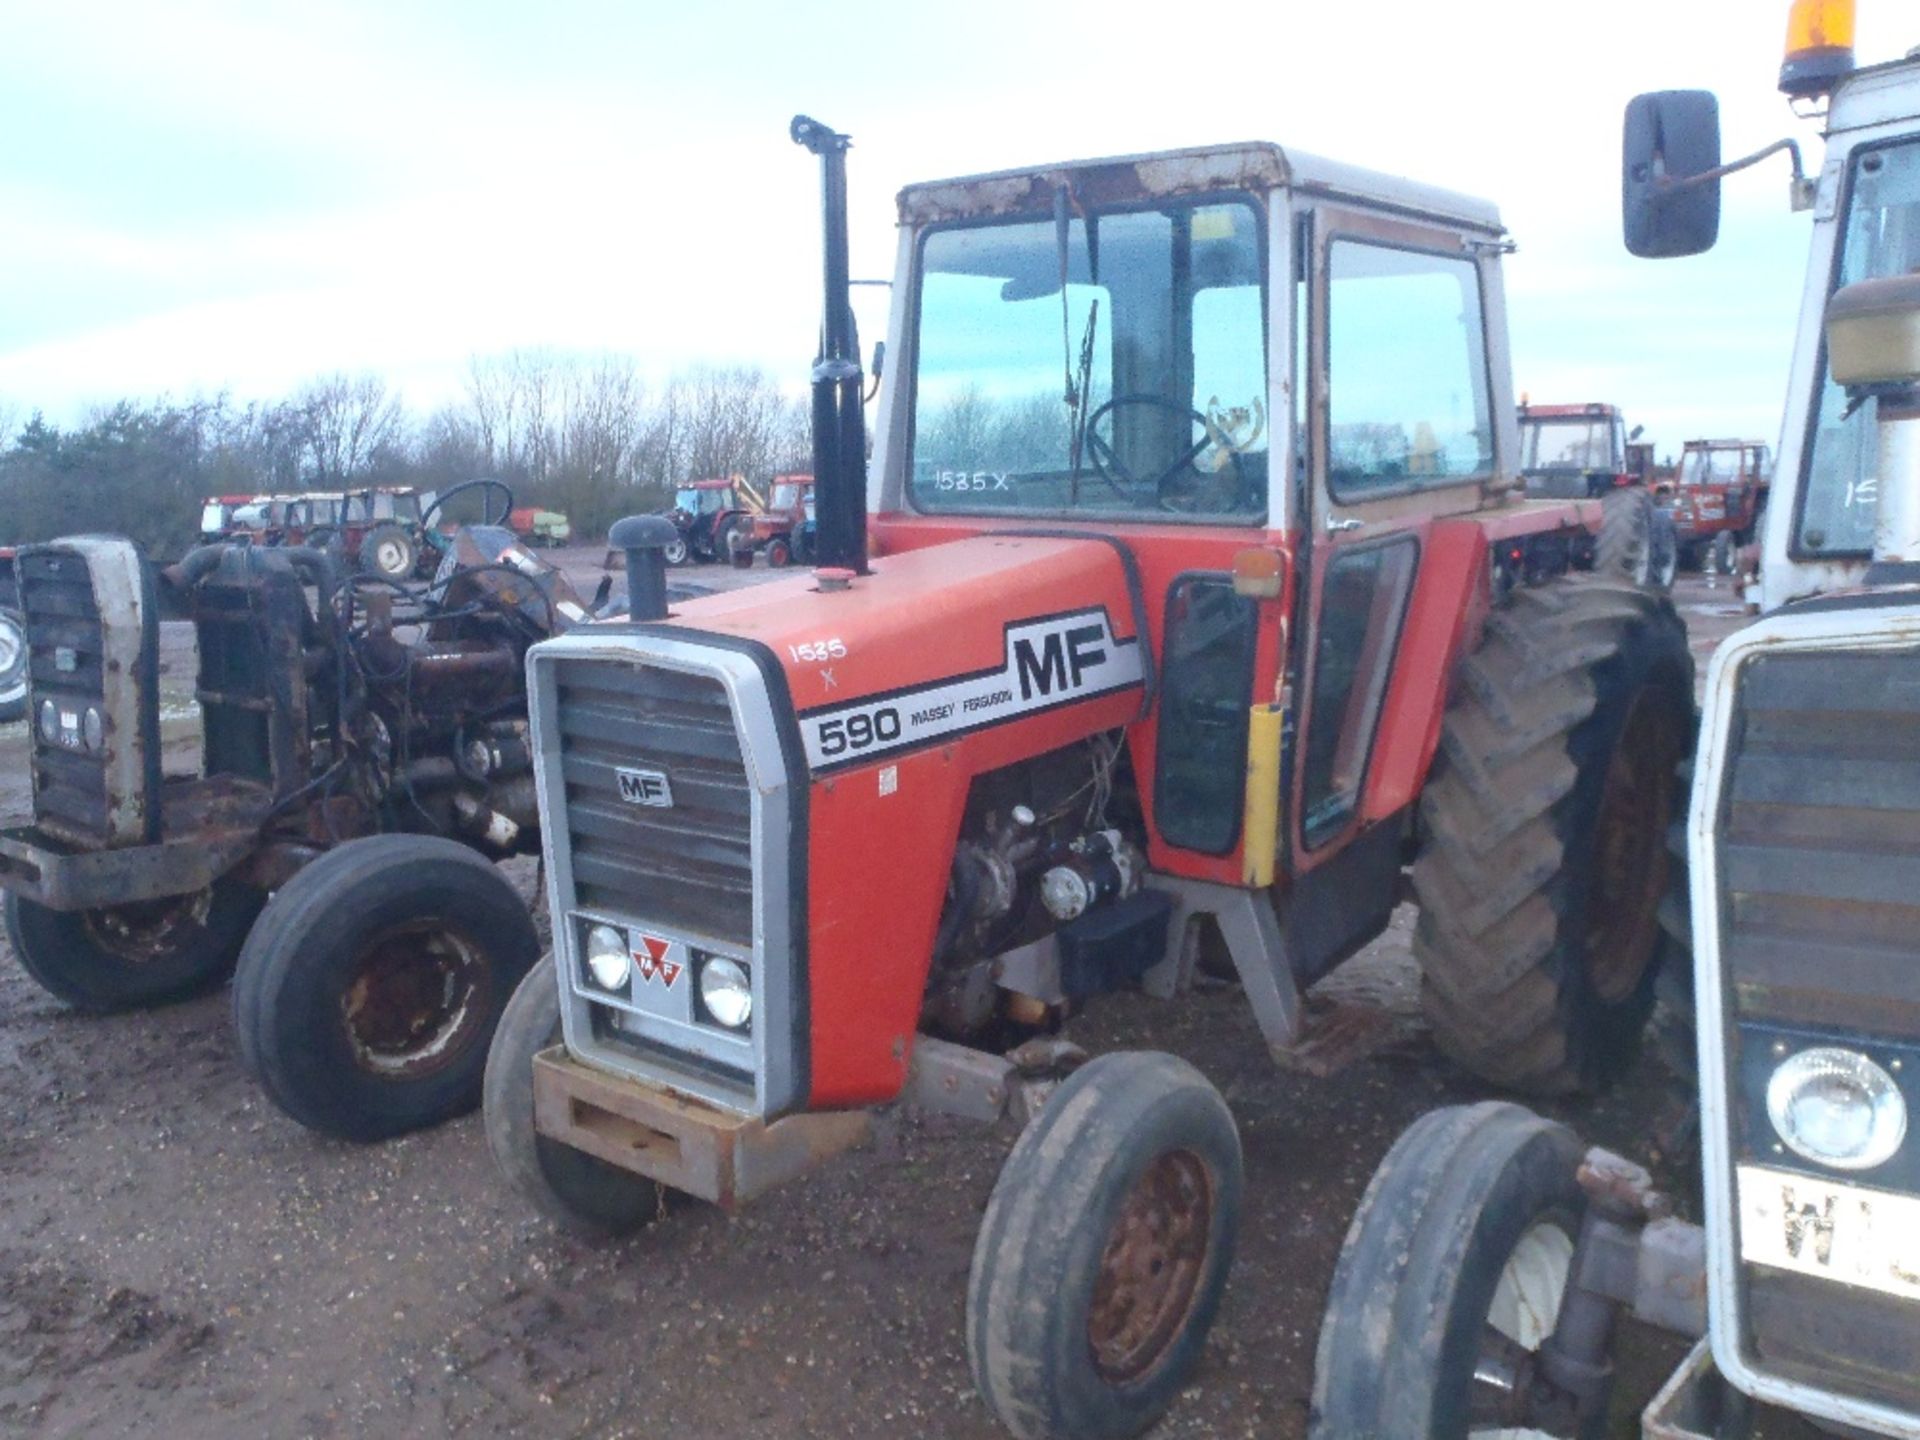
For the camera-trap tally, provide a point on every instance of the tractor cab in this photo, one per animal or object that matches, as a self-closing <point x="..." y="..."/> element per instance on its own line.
<point x="1572" y="451"/>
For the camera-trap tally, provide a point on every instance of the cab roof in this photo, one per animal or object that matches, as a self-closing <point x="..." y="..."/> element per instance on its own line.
<point x="1595" y="411"/>
<point x="1248" y="165"/>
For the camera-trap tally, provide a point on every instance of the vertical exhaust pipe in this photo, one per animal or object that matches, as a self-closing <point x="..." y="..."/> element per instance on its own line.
<point x="839" y="421"/>
<point x="644" y="539"/>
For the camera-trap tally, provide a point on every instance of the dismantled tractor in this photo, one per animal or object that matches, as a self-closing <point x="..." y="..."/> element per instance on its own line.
<point x="1493" y="1255"/>
<point x="1191" y="643"/>
<point x="363" y="756"/>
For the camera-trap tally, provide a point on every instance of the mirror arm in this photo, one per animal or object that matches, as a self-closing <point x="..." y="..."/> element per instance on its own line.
<point x="1666" y="185"/>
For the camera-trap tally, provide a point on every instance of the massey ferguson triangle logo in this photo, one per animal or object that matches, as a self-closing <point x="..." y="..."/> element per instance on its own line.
<point x="651" y="961"/>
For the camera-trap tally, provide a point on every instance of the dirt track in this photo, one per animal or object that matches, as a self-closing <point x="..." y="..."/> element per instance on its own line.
<point x="176" y="1258"/>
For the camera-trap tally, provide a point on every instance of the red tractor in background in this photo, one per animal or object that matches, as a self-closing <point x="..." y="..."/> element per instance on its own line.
<point x="1219" y="651"/>
<point x="1570" y="452"/>
<point x="1717" y="498"/>
<point x="708" y="514"/>
<point x="784" y="531"/>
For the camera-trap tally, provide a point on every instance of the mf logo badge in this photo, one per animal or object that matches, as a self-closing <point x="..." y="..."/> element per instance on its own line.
<point x="651" y="960"/>
<point x="645" y="787"/>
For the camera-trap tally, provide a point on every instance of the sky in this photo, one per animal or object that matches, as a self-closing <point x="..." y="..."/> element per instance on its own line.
<point x="241" y="194"/>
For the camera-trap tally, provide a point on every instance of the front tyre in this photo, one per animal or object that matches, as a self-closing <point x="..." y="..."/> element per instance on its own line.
<point x="132" y="956"/>
<point x="1461" y="1249"/>
<point x="389" y="552"/>
<point x="1544" y="854"/>
<point x="1104" y="1251"/>
<point x="369" y="990"/>
<point x="575" y="1190"/>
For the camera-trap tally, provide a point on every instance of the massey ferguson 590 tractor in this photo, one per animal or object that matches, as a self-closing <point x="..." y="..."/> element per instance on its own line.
<point x="1484" y="1274"/>
<point x="1174" y="627"/>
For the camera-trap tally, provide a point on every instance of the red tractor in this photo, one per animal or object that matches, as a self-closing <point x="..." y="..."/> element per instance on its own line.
<point x="1573" y="451"/>
<point x="784" y="532"/>
<point x="1211" y="647"/>
<point x="1717" y="499"/>
<point x="708" y="515"/>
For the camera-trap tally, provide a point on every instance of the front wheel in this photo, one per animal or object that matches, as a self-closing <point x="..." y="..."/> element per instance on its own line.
<point x="575" y="1190"/>
<point x="13" y="666"/>
<point x="370" y="988"/>
<point x="779" y="554"/>
<point x="1455" y="1263"/>
<point x="674" y="552"/>
<point x="1624" y="549"/>
<point x="131" y="956"/>
<point x="1104" y="1251"/>
<point x="390" y="552"/>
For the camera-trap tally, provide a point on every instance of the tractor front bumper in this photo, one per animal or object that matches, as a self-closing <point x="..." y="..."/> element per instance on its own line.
<point x="681" y="1143"/>
<point x="59" y="876"/>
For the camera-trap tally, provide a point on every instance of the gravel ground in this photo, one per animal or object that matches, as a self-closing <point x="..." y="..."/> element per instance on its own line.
<point x="178" y="1258"/>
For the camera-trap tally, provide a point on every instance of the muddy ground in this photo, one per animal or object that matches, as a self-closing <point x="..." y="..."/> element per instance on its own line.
<point x="176" y="1258"/>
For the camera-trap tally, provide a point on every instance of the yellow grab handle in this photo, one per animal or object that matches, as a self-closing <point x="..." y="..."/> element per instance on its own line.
<point x="1260" y="824"/>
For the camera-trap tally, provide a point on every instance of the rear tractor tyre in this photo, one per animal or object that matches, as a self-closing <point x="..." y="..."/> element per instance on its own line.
<point x="390" y="552"/>
<point x="13" y="666"/>
<point x="1467" y="1227"/>
<point x="1104" y="1251"/>
<point x="132" y="956"/>
<point x="370" y="989"/>
<point x="571" y="1188"/>
<point x="1545" y="820"/>
<point x="1625" y="547"/>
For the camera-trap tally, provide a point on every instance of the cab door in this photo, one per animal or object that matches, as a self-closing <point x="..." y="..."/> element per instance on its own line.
<point x="1400" y="430"/>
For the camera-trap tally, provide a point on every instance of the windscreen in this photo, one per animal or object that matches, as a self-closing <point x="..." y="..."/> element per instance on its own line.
<point x="1565" y="445"/>
<point x="1881" y="237"/>
<point x="1120" y="373"/>
<point x="1711" y="467"/>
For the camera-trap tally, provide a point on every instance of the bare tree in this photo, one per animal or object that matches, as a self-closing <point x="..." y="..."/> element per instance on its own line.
<point x="348" y="422"/>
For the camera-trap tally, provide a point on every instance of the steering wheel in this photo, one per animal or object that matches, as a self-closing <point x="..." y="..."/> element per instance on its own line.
<point x="1182" y="486"/>
<point x="487" y="517"/>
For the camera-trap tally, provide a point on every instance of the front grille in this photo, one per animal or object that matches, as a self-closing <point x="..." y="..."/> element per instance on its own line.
<point x="689" y="866"/>
<point x="1819" y="835"/>
<point x="1817" y="839"/>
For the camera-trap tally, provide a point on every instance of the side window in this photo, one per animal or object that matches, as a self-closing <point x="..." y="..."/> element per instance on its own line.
<point x="1362" y="602"/>
<point x="1409" y="401"/>
<point x="1200" y="769"/>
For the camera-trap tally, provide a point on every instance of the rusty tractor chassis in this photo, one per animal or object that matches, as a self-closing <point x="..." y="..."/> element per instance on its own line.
<point x="364" y="754"/>
<point x="1089" y="693"/>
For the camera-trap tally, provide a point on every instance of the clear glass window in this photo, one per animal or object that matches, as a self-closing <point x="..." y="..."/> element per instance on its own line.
<point x="1565" y="445"/>
<point x="1200" y="772"/>
<point x="1881" y="237"/>
<point x="1137" y="390"/>
<point x="1409" y="400"/>
<point x="1362" y="602"/>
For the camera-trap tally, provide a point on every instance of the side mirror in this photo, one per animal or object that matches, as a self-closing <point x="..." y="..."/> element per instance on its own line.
<point x="1873" y="333"/>
<point x="1670" y="137"/>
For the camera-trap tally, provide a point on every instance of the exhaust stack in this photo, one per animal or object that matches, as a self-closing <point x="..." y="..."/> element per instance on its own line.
<point x="839" y="421"/>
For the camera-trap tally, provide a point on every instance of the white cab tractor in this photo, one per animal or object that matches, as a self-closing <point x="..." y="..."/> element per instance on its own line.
<point x="1494" y="1252"/>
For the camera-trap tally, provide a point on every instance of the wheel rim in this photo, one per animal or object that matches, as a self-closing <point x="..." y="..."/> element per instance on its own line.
<point x="150" y="930"/>
<point x="1526" y="1298"/>
<point x="13" y="657"/>
<point x="417" y="999"/>
<point x="1630" y="854"/>
<point x="392" y="558"/>
<point x="1150" y="1269"/>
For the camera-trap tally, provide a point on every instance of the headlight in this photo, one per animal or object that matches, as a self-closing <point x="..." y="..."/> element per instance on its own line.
<point x="1836" y="1107"/>
<point x="726" y="991"/>
<point x="92" y="728"/>
<point x="608" y="959"/>
<point x="50" y="722"/>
